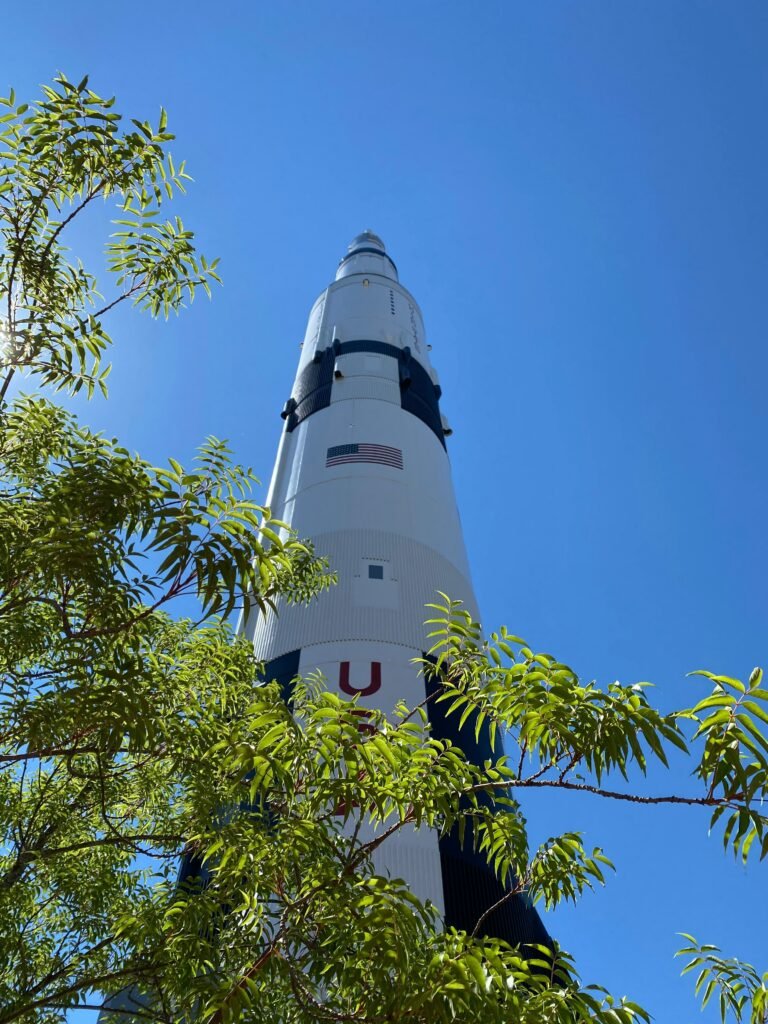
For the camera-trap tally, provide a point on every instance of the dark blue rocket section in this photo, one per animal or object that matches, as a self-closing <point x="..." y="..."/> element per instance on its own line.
<point x="282" y="670"/>
<point x="470" y="886"/>
<point x="418" y="395"/>
<point x="312" y="391"/>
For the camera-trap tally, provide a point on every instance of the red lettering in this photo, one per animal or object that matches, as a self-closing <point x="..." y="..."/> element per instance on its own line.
<point x="365" y="691"/>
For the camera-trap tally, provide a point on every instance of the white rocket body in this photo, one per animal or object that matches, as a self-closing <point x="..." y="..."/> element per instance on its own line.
<point x="362" y="470"/>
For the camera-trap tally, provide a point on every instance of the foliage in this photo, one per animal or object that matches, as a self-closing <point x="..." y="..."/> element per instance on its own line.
<point x="573" y="734"/>
<point x="742" y="993"/>
<point x="310" y="932"/>
<point x="570" y="735"/>
<point x="56" y="159"/>
<point x="131" y="740"/>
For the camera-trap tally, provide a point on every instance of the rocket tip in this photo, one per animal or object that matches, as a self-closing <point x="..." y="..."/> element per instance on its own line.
<point x="366" y="253"/>
<point x="366" y="238"/>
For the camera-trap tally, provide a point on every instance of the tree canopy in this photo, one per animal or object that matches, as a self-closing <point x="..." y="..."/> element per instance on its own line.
<point x="131" y="739"/>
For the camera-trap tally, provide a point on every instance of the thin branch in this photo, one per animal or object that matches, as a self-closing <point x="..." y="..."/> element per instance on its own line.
<point x="120" y="298"/>
<point x="582" y="787"/>
<point x="266" y="956"/>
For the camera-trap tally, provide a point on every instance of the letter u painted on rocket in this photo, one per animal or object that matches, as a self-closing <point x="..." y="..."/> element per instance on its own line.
<point x="363" y="471"/>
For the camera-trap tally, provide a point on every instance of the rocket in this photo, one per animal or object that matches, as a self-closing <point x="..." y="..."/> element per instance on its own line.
<point x="363" y="471"/>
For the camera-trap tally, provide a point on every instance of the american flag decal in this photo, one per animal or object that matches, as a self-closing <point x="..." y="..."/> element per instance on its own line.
<point x="381" y="454"/>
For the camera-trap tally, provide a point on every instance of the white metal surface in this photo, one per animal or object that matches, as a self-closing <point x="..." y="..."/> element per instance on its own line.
<point x="401" y="520"/>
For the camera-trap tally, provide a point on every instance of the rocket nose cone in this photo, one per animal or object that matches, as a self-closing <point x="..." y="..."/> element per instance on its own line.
<point x="366" y="254"/>
<point x="367" y="239"/>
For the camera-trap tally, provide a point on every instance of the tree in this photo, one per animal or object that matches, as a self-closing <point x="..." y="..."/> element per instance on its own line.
<point x="94" y="542"/>
<point x="130" y="739"/>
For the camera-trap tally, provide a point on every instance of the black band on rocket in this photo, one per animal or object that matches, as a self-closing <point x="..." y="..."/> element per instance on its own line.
<point x="418" y="395"/>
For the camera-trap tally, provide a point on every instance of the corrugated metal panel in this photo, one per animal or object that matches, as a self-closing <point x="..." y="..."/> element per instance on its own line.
<point x="420" y="397"/>
<point x="469" y="890"/>
<point x="418" y="571"/>
<point x="312" y="390"/>
<point x="416" y="858"/>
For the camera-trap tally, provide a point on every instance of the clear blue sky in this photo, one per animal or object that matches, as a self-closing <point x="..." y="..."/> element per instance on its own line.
<point x="576" y="194"/>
